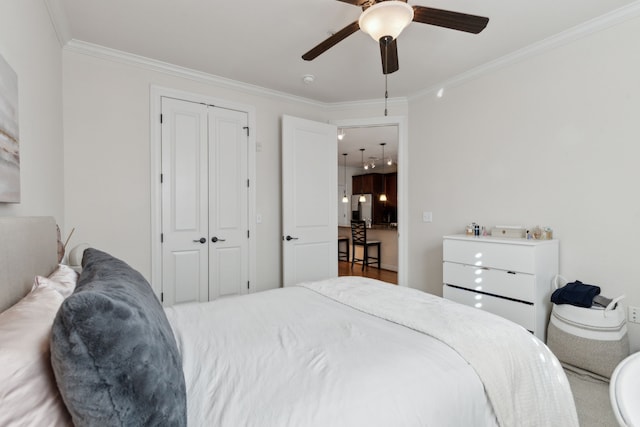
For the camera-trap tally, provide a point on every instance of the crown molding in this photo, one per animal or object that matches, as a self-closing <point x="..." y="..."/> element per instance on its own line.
<point x="601" y="23"/>
<point x="115" y="55"/>
<point x="59" y="21"/>
<point x="595" y="25"/>
<point x="367" y="103"/>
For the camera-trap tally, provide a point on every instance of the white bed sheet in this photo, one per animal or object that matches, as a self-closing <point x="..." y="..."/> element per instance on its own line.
<point x="292" y="357"/>
<point x="522" y="378"/>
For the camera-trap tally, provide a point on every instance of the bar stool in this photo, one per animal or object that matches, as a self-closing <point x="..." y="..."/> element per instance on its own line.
<point x="343" y="255"/>
<point x="359" y="238"/>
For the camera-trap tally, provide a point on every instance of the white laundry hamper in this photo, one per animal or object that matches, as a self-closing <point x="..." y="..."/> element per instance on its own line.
<point x="591" y="339"/>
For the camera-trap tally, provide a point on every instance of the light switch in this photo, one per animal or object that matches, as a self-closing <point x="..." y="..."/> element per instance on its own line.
<point x="427" y="217"/>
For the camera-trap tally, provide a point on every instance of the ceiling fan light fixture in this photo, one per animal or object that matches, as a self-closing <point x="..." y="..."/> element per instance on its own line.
<point x="387" y="18"/>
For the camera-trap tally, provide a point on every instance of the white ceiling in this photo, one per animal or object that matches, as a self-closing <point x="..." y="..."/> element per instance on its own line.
<point x="261" y="42"/>
<point x="369" y="138"/>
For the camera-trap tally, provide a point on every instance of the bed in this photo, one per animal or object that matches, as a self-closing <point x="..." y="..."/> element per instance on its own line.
<point x="338" y="352"/>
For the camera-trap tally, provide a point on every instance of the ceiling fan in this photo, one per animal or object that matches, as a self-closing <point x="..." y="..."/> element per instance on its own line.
<point x="384" y="20"/>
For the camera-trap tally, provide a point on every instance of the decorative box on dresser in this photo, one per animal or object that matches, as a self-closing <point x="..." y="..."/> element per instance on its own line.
<point x="508" y="277"/>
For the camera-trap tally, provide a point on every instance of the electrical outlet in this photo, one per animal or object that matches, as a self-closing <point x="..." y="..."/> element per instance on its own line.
<point x="634" y="314"/>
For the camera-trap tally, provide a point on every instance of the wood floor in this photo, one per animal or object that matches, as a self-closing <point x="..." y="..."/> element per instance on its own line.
<point x="344" y="269"/>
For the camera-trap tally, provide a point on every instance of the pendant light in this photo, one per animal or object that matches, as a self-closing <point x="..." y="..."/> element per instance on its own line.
<point x="345" y="199"/>
<point x="383" y="196"/>
<point x="362" y="199"/>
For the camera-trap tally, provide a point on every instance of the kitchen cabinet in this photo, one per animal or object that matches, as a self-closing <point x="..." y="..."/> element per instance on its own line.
<point x="391" y="189"/>
<point x="371" y="183"/>
<point x="508" y="277"/>
<point x="376" y="184"/>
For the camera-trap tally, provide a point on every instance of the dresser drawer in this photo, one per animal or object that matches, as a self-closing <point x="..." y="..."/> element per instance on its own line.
<point x="510" y="257"/>
<point x="518" y="312"/>
<point x="520" y="286"/>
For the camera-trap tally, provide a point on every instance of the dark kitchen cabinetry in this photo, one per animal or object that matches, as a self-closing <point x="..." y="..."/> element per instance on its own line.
<point x="376" y="184"/>
<point x="391" y="188"/>
<point x="371" y="183"/>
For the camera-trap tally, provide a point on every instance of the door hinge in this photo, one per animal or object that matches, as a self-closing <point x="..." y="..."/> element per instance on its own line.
<point x="161" y="237"/>
<point x="161" y="178"/>
<point x="247" y="128"/>
<point x="160" y="118"/>
<point x="248" y="236"/>
<point x="248" y="183"/>
<point x="248" y="286"/>
<point x="161" y="296"/>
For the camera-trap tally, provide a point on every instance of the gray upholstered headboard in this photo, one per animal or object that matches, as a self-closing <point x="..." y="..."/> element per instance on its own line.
<point x="28" y="247"/>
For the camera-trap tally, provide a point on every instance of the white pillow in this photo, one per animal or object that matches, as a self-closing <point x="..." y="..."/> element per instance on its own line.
<point x="63" y="280"/>
<point x="28" y="390"/>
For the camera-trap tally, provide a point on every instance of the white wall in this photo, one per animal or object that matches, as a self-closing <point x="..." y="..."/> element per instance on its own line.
<point x="107" y="145"/>
<point x="29" y="44"/>
<point x="553" y="140"/>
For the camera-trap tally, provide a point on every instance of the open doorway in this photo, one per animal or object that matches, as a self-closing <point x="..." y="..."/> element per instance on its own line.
<point x="370" y="188"/>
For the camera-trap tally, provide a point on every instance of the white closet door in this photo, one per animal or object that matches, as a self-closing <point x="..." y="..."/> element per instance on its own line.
<point x="184" y="202"/>
<point x="309" y="200"/>
<point x="228" y="203"/>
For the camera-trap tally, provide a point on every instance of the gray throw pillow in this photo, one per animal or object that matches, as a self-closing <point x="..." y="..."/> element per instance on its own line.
<point x="113" y="352"/>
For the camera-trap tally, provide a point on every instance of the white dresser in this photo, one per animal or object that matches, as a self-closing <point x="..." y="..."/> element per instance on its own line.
<point x="507" y="277"/>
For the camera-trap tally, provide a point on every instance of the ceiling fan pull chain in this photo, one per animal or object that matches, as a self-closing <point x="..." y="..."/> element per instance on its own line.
<point x="386" y="95"/>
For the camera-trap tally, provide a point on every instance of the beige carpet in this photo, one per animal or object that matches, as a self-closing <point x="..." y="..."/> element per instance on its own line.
<point x="592" y="401"/>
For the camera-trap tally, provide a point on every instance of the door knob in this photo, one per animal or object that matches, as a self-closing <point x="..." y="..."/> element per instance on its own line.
<point x="289" y="238"/>
<point x="215" y="239"/>
<point x="200" y="240"/>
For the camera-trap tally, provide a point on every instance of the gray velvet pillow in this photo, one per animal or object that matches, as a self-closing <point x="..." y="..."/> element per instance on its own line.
<point x="113" y="352"/>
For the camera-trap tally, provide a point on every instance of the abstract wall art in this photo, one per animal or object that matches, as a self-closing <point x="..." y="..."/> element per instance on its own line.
<point x="9" y="135"/>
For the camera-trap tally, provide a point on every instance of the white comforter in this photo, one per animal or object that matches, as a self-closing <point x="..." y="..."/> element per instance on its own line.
<point x="296" y="357"/>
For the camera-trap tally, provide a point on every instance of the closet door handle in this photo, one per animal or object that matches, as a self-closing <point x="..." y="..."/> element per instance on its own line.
<point x="200" y="240"/>
<point x="289" y="238"/>
<point x="215" y="239"/>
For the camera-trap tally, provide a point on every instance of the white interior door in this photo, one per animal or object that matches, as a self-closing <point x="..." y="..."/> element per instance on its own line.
<point x="309" y="200"/>
<point x="184" y="202"/>
<point x="228" y="203"/>
<point x="205" y="198"/>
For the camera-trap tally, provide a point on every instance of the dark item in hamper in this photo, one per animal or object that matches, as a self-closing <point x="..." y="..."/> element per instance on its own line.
<point x="576" y="293"/>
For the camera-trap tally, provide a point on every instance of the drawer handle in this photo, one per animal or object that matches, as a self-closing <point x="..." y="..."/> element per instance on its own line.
<point x="511" y="272"/>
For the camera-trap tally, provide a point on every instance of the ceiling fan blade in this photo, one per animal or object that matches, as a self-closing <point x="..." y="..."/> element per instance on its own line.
<point x="331" y="41"/>
<point x="389" y="54"/>
<point x="445" y="18"/>
<point x="355" y="2"/>
<point x="365" y="4"/>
